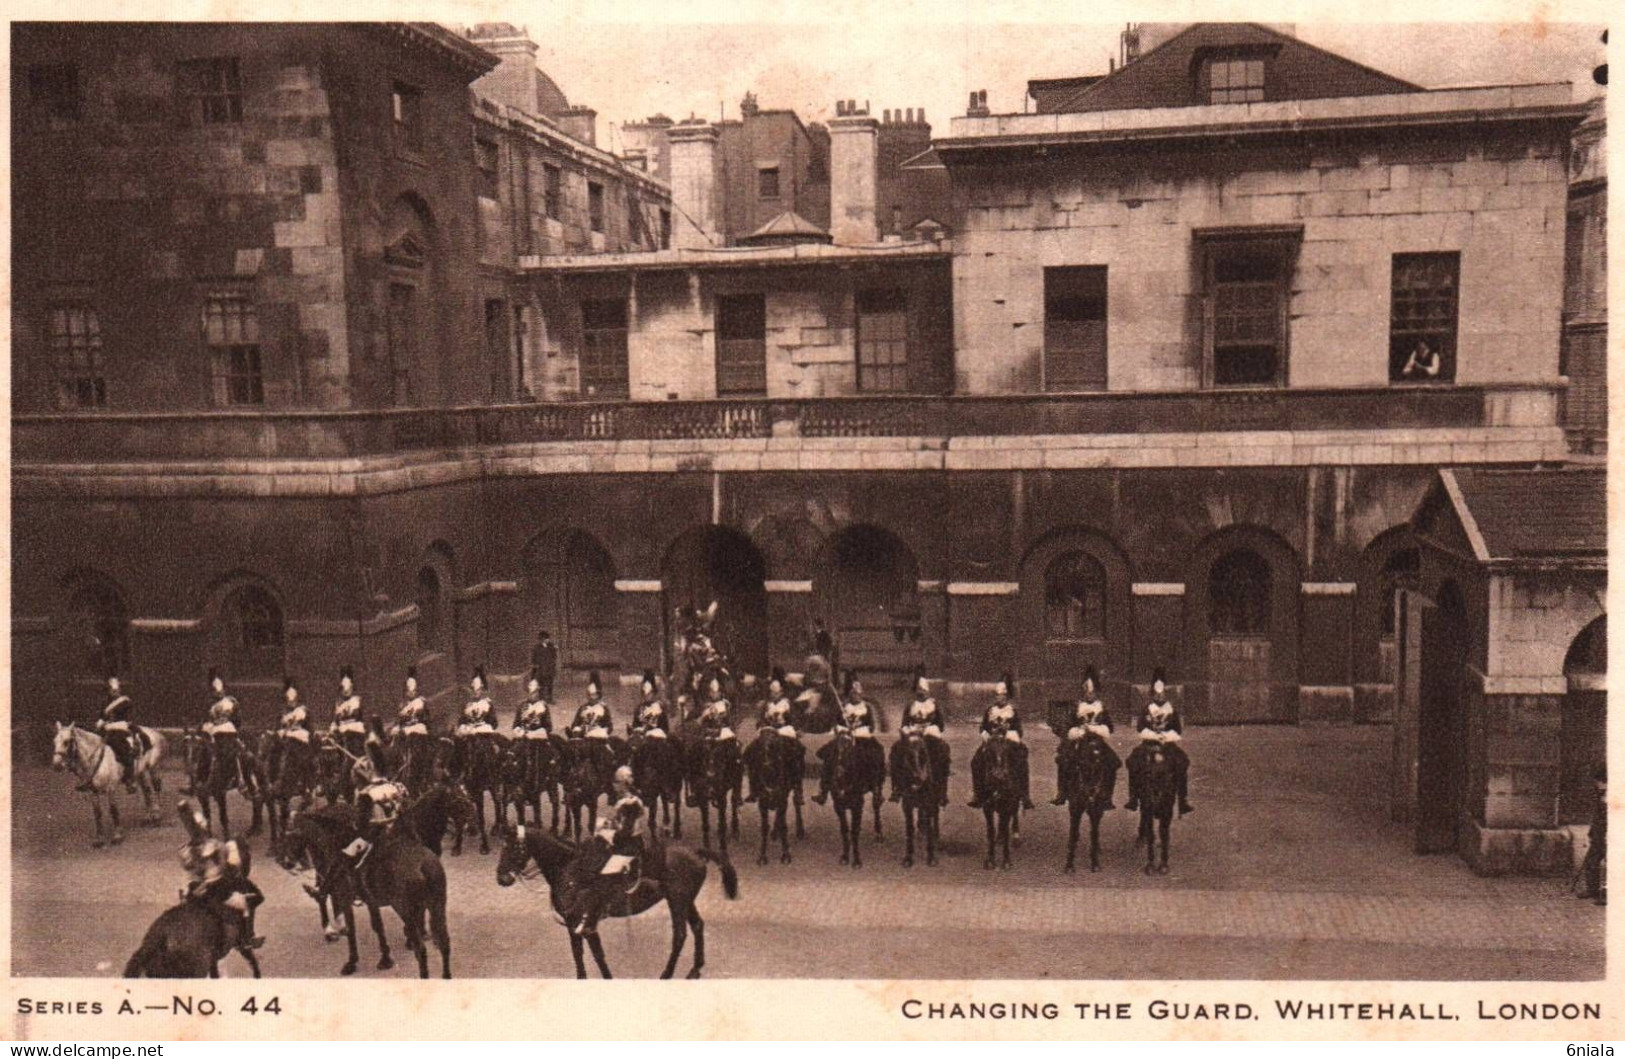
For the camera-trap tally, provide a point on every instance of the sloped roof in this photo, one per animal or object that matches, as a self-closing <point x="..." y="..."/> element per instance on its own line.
<point x="787" y="227"/>
<point x="1163" y="76"/>
<point x="550" y="99"/>
<point x="926" y="159"/>
<point x="1531" y="514"/>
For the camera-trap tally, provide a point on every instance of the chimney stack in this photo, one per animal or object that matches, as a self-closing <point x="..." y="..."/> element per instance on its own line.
<point x="514" y="82"/>
<point x="694" y="185"/>
<point x="580" y="123"/>
<point x="853" y="170"/>
<point x="978" y="105"/>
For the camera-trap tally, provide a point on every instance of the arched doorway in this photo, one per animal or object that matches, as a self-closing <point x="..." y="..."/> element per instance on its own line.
<point x="434" y="593"/>
<point x="1389" y="564"/>
<point x="95" y="630"/>
<point x="1242" y="598"/>
<point x="867" y="593"/>
<point x="568" y="590"/>
<point x="1441" y="750"/>
<point x="1585" y="720"/>
<point x="721" y="564"/>
<point x="1076" y="610"/>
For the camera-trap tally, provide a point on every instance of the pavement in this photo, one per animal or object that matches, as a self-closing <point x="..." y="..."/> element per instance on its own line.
<point x="1289" y="869"/>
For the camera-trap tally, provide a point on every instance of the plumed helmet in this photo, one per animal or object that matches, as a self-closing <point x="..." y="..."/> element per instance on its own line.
<point x="533" y="685"/>
<point x="1006" y="685"/>
<point x="411" y="680"/>
<point x="1159" y="680"/>
<point x="624" y="775"/>
<point x="478" y="680"/>
<point x="544" y="635"/>
<point x="922" y="686"/>
<point x="346" y="673"/>
<point x="113" y="684"/>
<point x="595" y="686"/>
<point x="714" y="687"/>
<point x="776" y="677"/>
<point x="216" y="681"/>
<point x="1091" y="678"/>
<point x="648" y="681"/>
<point x="851" y="684"/>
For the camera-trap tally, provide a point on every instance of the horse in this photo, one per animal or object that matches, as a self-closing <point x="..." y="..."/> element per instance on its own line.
<point x="1158" y="785"/>
<point x="200" y="748"/>
<point x="773" y="786"/>
<point x="1003" y="796"/>
<point x="190" y="939"/>
<point x="677" y="877"/>
<point x="921" y="795"/>
<point x="335" y="770"/>
<point x="657" y="771"/>
<point x="398" y="872"/>
<point x="713" y="784"/>
<point x="90" y="758"/>
<point x="480" y="774"/>
<point x="852" y="781"/>
<point x="538" y="775"/>
<point x="584" y="783"/>
<point x="444" y="808"/>
<point x="412" y="760"/>
<point x="1090" y="779"/>
<point x="288" y="771"/>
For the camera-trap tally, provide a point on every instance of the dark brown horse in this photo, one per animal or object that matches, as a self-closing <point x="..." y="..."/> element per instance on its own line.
<point x="190" y="939"/>
<point x="398" y="872"/>
<point x="1090" y="779"/>
<point x="479" y="769"/>
<point x="1003" y="798"/>
<point x="853" y="778"/>
<point x="584" y="783"/>
<point x="231" y="766"/>
<point x="288" y="772"/>
<point x="1158" y="787"/>
<point x="675" y="877"/>
<point x="774" y="785"/>
<point x="657" y="771"/>
<point x="714" y="783"/>
<point x="921" y="795"/>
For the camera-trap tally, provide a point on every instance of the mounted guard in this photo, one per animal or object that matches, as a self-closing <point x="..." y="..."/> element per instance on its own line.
<point x="412" y="719"/>
<point x="1159" y="724"/>
<point x="594" y="724"/>
<point x="114" y="725"/>
<point x="220" y="731"/>
<point x="379" y="801"/>
<point x="1090" y="719"/>
<point x="775" y="722"/>
<point x="924" y="716"/>
<point x="612" y="864"/>
<point x="294" y="724"/>
<point x="478" y="719"/>
<point x="650" y="720"/>
<point x="858" y="719"/>
<point x="348" y="727"/>
<point x="216" y="878"/>
<point x="534" y="721"/>
<point x="1001" y="720"/>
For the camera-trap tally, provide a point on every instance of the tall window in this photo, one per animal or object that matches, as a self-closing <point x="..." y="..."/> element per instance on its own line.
<point x="604" y="371"/>
<point x="253" y="633"/>
<point x="665" y="229"/>
<point x="595" y="206"/>
<point x="407" y="105"/>
<point x="430" y="620"/>
<point x="882" y="341"/>
<point x="1422" y="318"/>
<point x="521" y="343"/>
<point x="1245" y="307"/>
<point x="75" y="337"/>
<point x="53" y="88"/>
<point x="767" y="182"/>
<point x="402" y="341"/>
<point x="487" y="158"/>
<point x="553" y="191"/>
<point x="1239" y="595"/>
<point x="496" y="342"/>
<point x="97" y="631"/>
<point x="1235" y="80"/>
<point x="211" y="91"/>
<point x="231" y="329"/>
<point x="1074" y="598"/>
<point x="741" y="345"/>
<point x="1075" y="328"/>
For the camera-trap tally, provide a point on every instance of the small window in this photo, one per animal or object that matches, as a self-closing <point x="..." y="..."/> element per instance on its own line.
<point x="1235" y="81"/>
<point x="1075" y="328"/>
<point x="1422" y="319"/>
<point x="407" y="103"/>
<point x="767" y="182"/>
<point x="253" y="633"/>
<point x="54" y="90"/>
<point x="665" y="229"/>
<point x="604" y="371"/>
<point x="76" y="351"/>
<point x="882" y="341"/>
<point x="1248" y="287"/>
<point x="211" y="91"/>
<point x="487" y="157"/>
<point x="553" y="191"/>
<point x="1239" y="595"/>
<point x="741" y="345"/>
<point x="232" y="331"/>
<point x="595" y="206"/>
<point x="1074" y="599"/>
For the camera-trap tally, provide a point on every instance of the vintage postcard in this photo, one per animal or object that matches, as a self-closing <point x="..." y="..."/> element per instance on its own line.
<point x="1005" y="525"/>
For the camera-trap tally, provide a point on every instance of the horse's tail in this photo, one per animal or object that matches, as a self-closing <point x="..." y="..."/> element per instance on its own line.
<point x="730" y="878"/>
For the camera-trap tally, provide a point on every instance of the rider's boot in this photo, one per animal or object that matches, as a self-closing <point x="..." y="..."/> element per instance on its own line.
<point x="823" y="782"/>
<point x="1026" y="785"/>
<point x="1133" y="803"/>
<point x="1060" y="784"/>
<point x="1185" y="806"/>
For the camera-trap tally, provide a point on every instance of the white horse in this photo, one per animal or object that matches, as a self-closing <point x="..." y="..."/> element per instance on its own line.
<point x="90" y="758"/>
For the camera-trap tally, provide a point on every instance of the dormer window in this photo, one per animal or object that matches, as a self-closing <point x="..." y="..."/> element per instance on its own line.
<point x="1235" y="79"/>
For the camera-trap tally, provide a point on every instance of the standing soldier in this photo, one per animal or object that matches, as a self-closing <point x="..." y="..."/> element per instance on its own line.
<point x="1001" y="720"/>
<point x="114" y="724"/>
<point x="650" y="716"/>
<point x="1089" y="717"/>
<point x="544" y="663"/>
<point x="221" y="731"/>
<point x="924" y="715"/>
<point x="1159" y="723"/>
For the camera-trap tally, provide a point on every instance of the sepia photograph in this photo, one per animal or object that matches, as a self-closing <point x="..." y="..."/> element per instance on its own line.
<point x="550" y="499"/>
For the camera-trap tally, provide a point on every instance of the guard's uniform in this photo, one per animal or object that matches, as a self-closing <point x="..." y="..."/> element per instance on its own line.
<point x="347" y="721"/>
<point x="535" y="719"/>
<point x="775" y="722"/>
<point x="379" y="802"/>
<point x="479" y="717"/>
<point x="413" y="717"/>
<point x="857" y="718"/>
<point x="613" y="858"/>
<point x="924" y="716"/>
<point x="215" y="877"/>
<point x="115" y="728"/>
<point x="1001" y="721"/>
<point x="221" y="728"/>
<point x="1089" y="718"/>
<point x="652" y="719"/>
<point x="594" y="724"/>
<point x="294" y="724"/>
<point x="1159" y="723"/>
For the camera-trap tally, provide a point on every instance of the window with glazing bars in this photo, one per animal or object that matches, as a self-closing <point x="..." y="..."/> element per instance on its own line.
<point x="232" y="331"/>
<point x="211" y="91"/>
<point x="604" y="370"/>
<point x="1422" y="317"/>
<point x="1245" y="306"/>
<point x="75" y="338"/>
<point x="1235" y="81"/>
<point x="1075" y="328"/>
<point x="741" y="345"/>
<point x="882" y="341"/>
